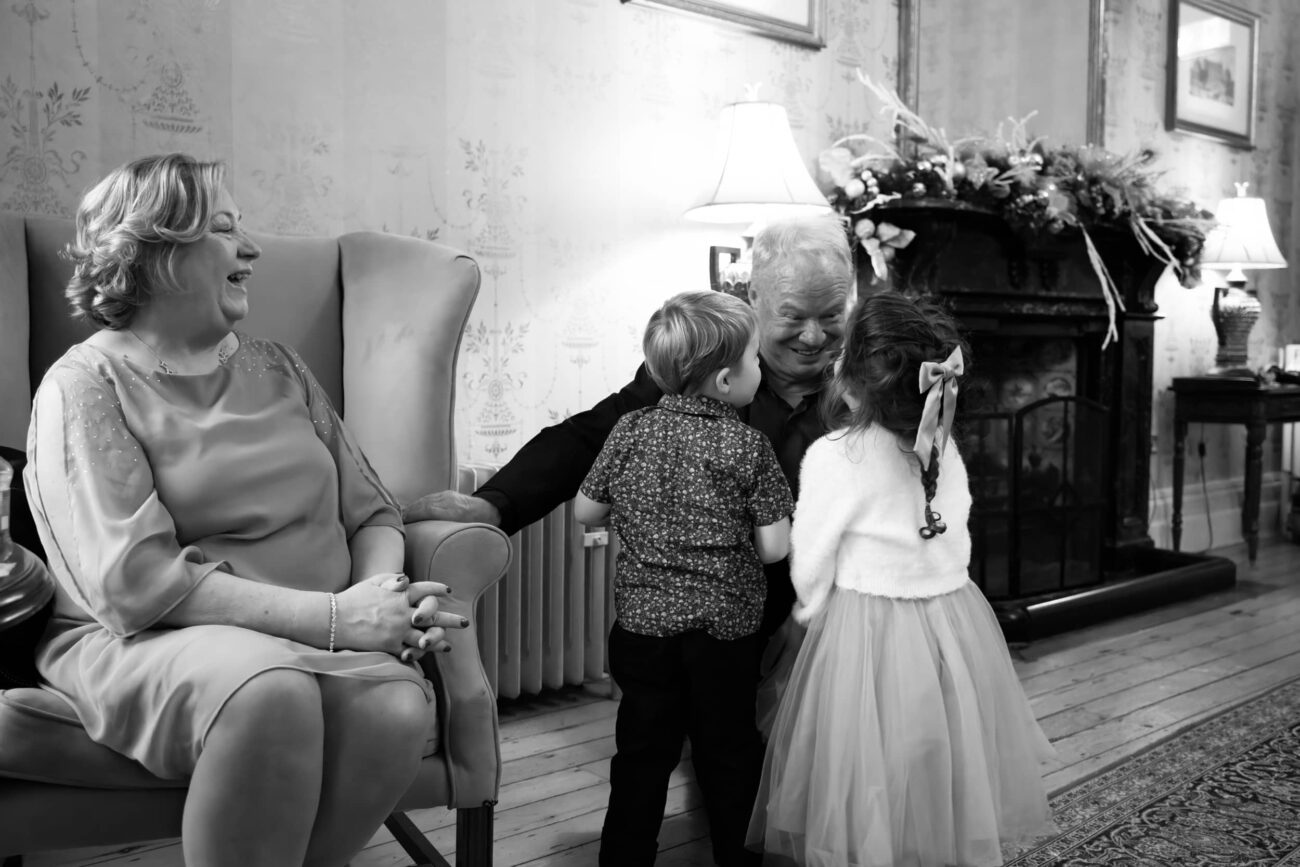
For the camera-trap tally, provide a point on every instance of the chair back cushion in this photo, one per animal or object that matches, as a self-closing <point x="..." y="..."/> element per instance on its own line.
<point x="15" y="388"/>
<point x="52" y="328"/>
<point x="295" y="297"/>
<point x="406" y="303"/>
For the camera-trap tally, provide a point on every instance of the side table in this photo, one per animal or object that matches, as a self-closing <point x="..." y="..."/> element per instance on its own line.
<point x="1229" y="400"/>
<point x="26" y="601"/>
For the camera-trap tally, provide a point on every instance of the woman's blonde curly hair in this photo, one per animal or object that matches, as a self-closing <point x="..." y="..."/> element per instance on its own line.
<point x="128" y="229"/>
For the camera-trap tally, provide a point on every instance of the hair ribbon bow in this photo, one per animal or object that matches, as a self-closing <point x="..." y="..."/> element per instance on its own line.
<point x="938" y="381"/>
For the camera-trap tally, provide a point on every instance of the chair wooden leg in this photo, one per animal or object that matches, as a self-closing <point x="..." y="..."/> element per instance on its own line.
<point x="474" y="836"/>
<point x="411" y="839"/>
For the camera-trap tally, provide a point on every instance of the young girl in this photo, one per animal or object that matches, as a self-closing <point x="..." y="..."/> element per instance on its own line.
<point x="903" y="738"/>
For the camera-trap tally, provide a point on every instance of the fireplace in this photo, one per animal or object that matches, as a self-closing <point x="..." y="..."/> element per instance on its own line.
<point x="1055" y="429"/>
<point x="1037" y="477"/>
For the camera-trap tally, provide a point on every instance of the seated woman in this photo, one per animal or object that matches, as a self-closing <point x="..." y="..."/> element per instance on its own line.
<point x="230" y="607"/>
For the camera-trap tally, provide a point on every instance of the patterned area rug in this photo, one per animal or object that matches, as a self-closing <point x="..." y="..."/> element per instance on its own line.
<point x="1224" y="793"/>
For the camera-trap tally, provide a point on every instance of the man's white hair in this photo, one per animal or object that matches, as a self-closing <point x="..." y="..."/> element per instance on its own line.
<point x="786" y="247"/>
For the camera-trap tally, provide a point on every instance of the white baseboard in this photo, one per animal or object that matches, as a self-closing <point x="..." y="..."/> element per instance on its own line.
<point x="1225" y="499"/>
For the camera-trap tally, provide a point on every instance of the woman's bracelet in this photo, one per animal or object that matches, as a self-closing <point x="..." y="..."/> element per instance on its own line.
<point x="334" y="619"/>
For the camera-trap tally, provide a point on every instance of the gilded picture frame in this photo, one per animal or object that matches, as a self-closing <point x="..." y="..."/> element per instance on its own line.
<point x="1212" y="71"/>
<point x="911" y="47"/>
<point x="796" y="21"/>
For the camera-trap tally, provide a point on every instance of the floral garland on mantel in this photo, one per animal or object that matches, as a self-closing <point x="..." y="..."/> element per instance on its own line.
<point x="1035" y="188"/>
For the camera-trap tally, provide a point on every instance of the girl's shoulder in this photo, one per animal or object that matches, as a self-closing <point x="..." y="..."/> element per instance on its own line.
<point x="834" y="449"/>
<point x="873" y="439"/>
<point x="853" y="442"/>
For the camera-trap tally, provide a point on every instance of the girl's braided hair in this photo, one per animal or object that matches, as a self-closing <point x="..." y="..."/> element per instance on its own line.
<point x="889" y="334"/>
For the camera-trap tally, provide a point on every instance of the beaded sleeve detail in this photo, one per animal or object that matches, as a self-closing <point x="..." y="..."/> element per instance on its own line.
<point x="111" y="543"/>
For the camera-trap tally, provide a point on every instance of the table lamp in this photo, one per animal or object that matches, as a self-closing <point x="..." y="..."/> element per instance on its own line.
<point x="758" y="175"/>
<point x="1241" y="240"/>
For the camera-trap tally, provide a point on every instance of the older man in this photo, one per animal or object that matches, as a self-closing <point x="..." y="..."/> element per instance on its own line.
<point x="801" y="280"/>
<point x="802" y="277"/>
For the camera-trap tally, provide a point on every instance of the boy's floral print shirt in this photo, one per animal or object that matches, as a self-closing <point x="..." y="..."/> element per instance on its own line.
<point x="687" y="481"/>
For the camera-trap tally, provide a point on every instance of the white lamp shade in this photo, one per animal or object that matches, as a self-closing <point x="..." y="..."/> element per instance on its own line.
<point x="1242" y="238"/>
<point x="758" y="173"/>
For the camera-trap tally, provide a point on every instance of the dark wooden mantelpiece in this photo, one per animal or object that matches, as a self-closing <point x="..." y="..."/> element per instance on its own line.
<point x="1000" y="282"/>
<point x="1005" y="284"/>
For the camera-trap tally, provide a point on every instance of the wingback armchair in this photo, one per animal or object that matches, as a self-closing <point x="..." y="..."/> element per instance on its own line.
<point x="378" y="318"/>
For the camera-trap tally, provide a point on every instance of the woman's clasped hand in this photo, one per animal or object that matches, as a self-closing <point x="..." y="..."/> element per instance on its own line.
<point x="390" y="612"/>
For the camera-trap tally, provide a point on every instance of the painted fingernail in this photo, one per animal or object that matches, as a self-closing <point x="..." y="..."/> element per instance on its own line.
<point x="447" y="649"/>
<point x="464" y="621"/>
<point x="424" y="642"/>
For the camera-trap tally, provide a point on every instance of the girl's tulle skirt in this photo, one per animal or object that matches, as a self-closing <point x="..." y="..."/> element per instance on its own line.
<point x="903" y="739"/>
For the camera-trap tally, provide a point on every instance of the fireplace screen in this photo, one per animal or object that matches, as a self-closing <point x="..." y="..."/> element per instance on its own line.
<point x="1037" y="477"/>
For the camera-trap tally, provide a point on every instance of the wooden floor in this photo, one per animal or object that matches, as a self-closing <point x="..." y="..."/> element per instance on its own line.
<point x="1101" y="694"/>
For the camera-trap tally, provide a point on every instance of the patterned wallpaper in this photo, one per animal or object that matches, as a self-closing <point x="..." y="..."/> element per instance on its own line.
<point x="558" y="141"/>
<point x="1205" y="170"/>
<point x="969" y="83"/>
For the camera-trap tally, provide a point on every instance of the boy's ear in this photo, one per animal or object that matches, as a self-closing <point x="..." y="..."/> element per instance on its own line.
<point x="722" y="380"/>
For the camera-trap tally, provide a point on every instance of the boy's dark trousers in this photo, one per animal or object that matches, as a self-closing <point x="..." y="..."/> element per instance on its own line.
<point x="689" y="685"/>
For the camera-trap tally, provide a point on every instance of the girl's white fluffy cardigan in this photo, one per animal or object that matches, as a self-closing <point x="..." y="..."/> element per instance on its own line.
<point x="861" y="505"/>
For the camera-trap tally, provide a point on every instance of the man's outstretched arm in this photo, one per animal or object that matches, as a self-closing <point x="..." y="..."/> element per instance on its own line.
<point x="547" y="470"/>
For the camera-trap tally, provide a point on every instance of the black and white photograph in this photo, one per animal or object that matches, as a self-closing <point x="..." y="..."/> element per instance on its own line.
<point x="649" y="433"/>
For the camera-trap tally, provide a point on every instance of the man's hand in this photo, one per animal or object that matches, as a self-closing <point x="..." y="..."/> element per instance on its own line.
<point x="452" y="506"/>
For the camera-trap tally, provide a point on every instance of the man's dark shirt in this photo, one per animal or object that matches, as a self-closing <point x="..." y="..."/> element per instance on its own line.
<point x="790" y="429"/>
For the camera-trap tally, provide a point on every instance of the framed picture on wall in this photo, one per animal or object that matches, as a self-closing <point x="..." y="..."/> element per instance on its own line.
<point x="797" y="21"/>
<point x="1211" y="70"/>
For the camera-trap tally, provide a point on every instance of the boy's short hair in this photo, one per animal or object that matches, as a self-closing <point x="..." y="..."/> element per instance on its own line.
<point x="694" y="335"/>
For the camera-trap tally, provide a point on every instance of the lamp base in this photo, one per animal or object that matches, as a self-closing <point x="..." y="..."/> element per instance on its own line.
<point x="1233" y="313"/>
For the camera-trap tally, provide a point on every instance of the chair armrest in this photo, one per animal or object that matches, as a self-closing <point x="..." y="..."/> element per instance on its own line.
<point x="469" y="558"/>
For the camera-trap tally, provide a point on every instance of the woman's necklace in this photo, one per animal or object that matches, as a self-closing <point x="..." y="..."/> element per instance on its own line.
<point x="223" y="352"/>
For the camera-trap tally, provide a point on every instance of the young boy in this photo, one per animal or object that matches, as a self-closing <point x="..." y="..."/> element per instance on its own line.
<point x="699" y="504"/>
